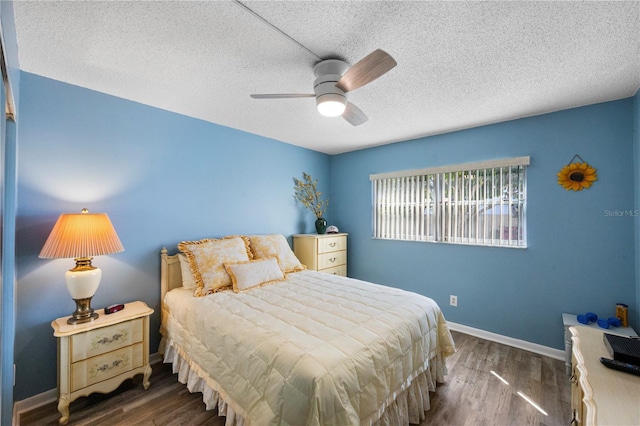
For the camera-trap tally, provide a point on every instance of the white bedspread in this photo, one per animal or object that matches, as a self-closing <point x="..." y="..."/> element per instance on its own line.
<point x="317" y="349"/>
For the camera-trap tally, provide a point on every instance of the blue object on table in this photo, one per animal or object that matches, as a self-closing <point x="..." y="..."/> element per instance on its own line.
<point x="603" y="323"/>
<point x="587" y="318"/>
<point x="614" y="322"/>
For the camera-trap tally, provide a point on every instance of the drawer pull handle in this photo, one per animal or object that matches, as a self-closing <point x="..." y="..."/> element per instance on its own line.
<point x="121" y="335"/>
<point x="106" y="367"/>
<point x="333" y="244"/>
<point x="333" y="259"/>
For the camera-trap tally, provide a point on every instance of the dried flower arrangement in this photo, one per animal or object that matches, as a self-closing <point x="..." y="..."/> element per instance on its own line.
<point x="306" y="191"/>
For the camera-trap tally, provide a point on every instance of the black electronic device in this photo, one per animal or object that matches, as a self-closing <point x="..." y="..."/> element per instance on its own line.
<point x="621" y="366"/>
<point x="624" y="349"/>
<point x="113" y="308"/>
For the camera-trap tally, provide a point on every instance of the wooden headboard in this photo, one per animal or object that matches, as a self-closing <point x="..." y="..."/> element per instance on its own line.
<point x="170" y="278"/>
<point x="170" y="273"/>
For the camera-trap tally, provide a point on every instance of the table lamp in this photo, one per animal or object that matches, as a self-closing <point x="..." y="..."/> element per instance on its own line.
<point x="82" y="236"/>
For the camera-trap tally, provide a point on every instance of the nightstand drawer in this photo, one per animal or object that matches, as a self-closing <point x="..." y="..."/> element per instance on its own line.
<point x="330" y="260"/>
<point x="330" y="244"/>
<point x="106" y="339"/>
<point x="97" y="369"/>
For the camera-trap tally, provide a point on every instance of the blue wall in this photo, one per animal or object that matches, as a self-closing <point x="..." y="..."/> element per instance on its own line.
<point x="161" y="177"/>
<point x="146" y="166"/>
<point x="580" y="257"/>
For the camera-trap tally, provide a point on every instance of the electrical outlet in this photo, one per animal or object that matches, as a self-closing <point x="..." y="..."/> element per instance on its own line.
<point x="453" y="300"/>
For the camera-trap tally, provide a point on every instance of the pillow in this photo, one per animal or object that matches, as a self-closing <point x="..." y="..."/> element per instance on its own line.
<point x="275" y="245"/>
<point x="187" y="276"/>
<point x="207" y="258"/>
<point x="254" y="273"/>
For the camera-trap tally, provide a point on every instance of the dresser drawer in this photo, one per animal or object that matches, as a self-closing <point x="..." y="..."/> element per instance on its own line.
<point x="337" y="270"/>
<point x="326" y="245"/>
<point x="330" y="260"/>
<point x="576" y="393"/>
<point x="106" y="339"/>
<point x="97" y="369"/>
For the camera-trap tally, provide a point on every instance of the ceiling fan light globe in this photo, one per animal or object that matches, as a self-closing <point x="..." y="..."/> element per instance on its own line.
<point x="331" y="108"/>
<point x="331" y="105"/>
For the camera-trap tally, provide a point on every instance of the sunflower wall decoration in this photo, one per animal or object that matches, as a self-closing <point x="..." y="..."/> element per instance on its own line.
<point x="577" y="175"/>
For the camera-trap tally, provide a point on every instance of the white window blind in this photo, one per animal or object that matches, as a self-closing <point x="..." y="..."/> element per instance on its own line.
<point x="476" y="203"/>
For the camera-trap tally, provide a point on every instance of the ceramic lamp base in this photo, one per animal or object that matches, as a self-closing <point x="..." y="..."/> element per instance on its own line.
<point x="82" y="283"/>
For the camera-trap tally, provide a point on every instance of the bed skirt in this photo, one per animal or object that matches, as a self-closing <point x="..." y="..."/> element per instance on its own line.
<point x="405" y="406"/>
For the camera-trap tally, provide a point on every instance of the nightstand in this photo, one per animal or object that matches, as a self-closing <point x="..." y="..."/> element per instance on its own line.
<point x="323" y="253"/>
<point x="98" y="356"/>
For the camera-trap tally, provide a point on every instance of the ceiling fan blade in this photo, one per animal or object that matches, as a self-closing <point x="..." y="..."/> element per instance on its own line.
<point x="354" y="115"/>
<point x="367" y="69"/>
<point x="283" y="96"/>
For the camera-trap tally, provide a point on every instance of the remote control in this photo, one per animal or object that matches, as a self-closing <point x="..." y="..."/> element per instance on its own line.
<point x="113" y="308"/>
<point x="621" y="366"/>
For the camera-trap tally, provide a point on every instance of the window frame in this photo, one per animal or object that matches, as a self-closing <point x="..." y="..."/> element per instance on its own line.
<point x="452" y="213"/>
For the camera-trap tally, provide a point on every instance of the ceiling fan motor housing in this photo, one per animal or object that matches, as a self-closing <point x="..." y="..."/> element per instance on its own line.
<point x="330" y="100"/>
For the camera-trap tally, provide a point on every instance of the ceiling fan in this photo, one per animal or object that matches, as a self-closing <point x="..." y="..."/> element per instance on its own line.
<point x="334" y="79"/>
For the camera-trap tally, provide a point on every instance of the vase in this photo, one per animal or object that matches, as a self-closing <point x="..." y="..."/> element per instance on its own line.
<point x="321" y="225"/>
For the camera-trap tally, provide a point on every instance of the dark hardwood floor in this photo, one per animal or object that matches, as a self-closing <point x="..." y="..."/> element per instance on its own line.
<point x="471" y="394"/>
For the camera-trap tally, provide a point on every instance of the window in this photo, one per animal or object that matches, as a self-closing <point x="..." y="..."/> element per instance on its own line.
<point x="477" y="203"/>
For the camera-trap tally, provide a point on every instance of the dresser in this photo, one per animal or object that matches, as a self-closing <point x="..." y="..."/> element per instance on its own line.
<point x="600" y="395"/>
<point x="98" y="356"/>
<point x="324" y="253"/>
<point x="569" y="320"/>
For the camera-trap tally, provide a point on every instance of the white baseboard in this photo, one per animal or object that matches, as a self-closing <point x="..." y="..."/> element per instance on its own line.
<point x="47" y="397"/>
<point x="509" y="341"/>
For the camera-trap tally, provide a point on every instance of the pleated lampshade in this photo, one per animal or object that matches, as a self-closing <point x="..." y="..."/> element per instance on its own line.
<point x="81" y="235"/>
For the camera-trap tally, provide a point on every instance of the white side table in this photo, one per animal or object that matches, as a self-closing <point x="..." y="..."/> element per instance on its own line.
<point x="571" y="320"/>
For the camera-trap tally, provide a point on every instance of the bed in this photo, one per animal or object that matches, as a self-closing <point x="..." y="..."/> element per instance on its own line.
<point x="297" y="347"/>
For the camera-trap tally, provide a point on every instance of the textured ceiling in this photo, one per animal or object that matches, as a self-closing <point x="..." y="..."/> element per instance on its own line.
<point x="460" y="64"/>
